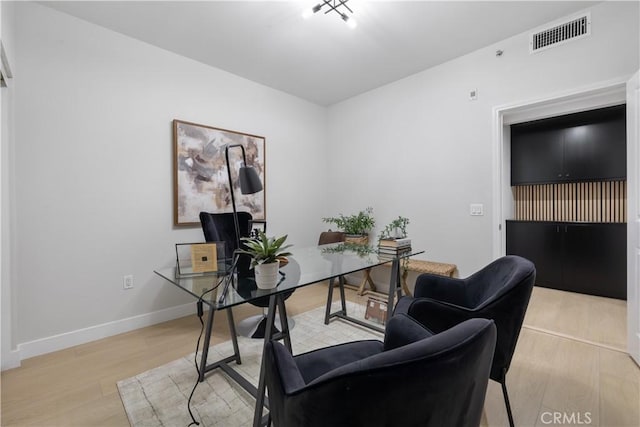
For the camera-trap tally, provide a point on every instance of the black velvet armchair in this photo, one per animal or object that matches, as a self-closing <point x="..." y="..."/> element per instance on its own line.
<point x="413" y="378"/>
<point x="500" y="291"/>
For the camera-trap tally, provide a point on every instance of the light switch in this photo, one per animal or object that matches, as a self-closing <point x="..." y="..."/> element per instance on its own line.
<point x="476" y="209"/>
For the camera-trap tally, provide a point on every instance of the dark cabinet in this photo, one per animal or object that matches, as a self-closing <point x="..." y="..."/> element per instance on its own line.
<point x="595" y="259"/>
<point x="588" y="146"/>
<point x="540" y="243"/>
<point x="588" y="258"/>
<point x="536" y="157"/>
<point x="596" y="151"/>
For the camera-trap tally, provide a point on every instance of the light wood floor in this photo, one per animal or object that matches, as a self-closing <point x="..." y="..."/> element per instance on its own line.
<point x="570" y="359"/>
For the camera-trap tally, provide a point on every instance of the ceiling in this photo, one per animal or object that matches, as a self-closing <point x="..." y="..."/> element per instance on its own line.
<point x="320" y="59"/>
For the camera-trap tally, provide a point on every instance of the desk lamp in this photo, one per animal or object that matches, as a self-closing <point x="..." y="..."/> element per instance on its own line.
<point x="249" y="184"/>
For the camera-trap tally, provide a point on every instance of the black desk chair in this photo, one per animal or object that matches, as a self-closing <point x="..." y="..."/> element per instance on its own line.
<point x="220" y="227"/>
<point x="413" y="379"/>
<point x="500" y="291"/>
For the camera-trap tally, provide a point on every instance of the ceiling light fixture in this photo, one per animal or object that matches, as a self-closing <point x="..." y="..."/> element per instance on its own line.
<point x="333" y="5"/>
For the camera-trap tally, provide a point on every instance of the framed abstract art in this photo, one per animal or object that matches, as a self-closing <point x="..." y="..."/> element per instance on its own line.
<point x="200" y="176"/>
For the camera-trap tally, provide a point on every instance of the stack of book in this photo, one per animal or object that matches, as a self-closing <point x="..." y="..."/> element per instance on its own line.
<point x="392" y="248"/>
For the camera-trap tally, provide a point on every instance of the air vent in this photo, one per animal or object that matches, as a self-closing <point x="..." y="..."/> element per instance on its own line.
<point x="560" y="33"/>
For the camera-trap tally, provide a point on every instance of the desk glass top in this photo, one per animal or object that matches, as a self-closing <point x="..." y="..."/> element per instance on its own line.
<point x="306" y="266"/>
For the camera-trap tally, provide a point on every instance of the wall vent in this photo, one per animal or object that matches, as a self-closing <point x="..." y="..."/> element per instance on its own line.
<point x="560" y="33"/>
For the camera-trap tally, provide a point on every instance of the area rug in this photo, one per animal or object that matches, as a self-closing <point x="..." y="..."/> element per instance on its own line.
<point x="159" y="396"/>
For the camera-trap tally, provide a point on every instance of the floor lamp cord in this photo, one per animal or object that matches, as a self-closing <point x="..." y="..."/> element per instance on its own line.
<point x="200" y="307"/>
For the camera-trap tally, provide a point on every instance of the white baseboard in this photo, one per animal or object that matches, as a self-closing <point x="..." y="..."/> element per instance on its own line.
<point x="82" y="336"/>
<point x="11" y="360"/>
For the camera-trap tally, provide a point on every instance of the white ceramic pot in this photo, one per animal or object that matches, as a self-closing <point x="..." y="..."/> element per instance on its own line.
<point x="267" y="275"/>
<point x="397" y="233"/>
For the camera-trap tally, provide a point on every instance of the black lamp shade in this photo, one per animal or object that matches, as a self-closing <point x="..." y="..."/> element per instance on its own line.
<point x="249" y="180"/>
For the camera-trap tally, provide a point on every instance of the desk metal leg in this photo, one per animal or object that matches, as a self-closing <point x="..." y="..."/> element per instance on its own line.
<point x="342" y="300"/>
<point x="205" y="347"/>
<point x="284" y="323"/>
<point x="271" y="314"/>
<point x="223" y="364"/>
<point x="342" y="314"/>
<point x="234" y="336"/>
<point x="395" y="289"/>
<point x="343" y="303"/>
<point x="401" y="286"/>
<point x="394" y="285"/>
<point x="204" y="368"/>
<point x="329" y="301"/>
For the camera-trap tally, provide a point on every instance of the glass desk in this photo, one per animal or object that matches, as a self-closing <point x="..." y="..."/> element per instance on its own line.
<point x="306" y="266"/>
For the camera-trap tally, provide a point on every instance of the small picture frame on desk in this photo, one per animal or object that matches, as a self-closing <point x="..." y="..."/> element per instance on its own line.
<point x="193" y="259"/>
<point x="204" y="258"/>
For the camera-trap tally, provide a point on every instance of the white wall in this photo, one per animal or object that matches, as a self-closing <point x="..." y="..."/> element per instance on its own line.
<point x="93" y="154"/>
<point x="419" y="148"/>
<point x="93" y="169"/>
<point x="9" y="356"/>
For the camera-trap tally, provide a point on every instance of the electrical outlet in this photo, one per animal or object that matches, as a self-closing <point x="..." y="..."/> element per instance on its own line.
<point x="476" y="209"/>
<point x="127" y="282"/>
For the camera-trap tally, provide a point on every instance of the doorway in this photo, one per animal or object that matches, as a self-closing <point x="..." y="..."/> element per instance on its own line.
<point x="600" y="95"/>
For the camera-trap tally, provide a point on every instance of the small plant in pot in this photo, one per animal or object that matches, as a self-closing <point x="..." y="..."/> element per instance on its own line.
<point x="396" y="229"/>
<point x="357" y="227"/>
<point x="266" y="253"/>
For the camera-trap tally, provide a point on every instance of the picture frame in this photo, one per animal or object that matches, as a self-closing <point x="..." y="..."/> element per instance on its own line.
<point x="190" y="262"/>
<point x="200" y="176"/>
<point x="204" y="258"/>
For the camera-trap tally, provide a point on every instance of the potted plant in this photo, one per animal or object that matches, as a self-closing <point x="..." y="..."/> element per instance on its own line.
<point x="355" y="226"/>
<point x="266" y="253"/>
<point x="396" y="229"/>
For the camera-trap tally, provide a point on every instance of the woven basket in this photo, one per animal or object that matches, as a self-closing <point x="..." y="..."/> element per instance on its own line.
<point x="356" y="239"/>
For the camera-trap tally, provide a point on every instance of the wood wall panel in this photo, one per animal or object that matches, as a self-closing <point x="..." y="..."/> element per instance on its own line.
<point x="604" y="201"/>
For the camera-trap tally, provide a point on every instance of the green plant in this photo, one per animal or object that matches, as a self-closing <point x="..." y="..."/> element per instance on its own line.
<point x="263" y="249"/>
<point x="360" y="223"/>
<point x="397" y="225"/>
<point x="360" y="250"/>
